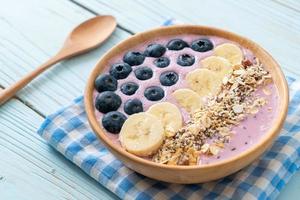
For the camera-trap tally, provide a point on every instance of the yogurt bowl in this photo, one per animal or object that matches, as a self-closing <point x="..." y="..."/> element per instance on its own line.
<point x="163" y="68"/>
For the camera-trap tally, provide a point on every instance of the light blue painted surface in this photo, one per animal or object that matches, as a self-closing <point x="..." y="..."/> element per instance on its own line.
<point x="33" y="30"/>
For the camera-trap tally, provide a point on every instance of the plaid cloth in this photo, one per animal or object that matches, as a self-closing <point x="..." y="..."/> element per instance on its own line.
<point x="68" y="131"/>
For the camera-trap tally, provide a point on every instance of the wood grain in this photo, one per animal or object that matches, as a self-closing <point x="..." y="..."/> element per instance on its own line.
<point x="32" y="31"/>
<point x="30" y="168"/>
<point x="23" y="47"/>
<point x="82" y="39"/>
<point x="266" y="22"/>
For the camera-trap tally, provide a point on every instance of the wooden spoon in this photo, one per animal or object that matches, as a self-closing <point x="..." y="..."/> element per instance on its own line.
<point x="83" y="38"/>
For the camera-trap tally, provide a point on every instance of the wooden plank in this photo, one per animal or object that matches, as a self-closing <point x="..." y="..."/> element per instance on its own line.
<point x="292" y="190"/>
<point x="291" y="4"/>
<point x="31" y="169"/>
<point x="34" y="34"/>
<point x="272" y="25"/>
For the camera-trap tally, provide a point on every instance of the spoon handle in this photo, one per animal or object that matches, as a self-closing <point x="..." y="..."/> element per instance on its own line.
<point x="9" y="92"/>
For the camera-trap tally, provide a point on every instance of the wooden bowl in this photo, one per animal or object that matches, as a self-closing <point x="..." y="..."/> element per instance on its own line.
<point x="201" y="173"/>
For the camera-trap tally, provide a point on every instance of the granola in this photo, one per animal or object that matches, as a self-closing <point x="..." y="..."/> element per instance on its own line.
<point x="213" y="122"/>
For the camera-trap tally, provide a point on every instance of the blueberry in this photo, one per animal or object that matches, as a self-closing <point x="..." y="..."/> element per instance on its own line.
<point x="155" y="50"/>
<point x="154" y="93"/>
<point x="120" y="70"/>
<point x="106" y="82"/>
<point x="113" y="121"/>
<point x="129" y="88"/>
<point x="162" y="62"/>
<point x="185" y="60"/>
<point x="202" y="45"/>
<point x="143" y="73"/>
<point x="133" y="106"/>
<point x="177" y="44"/>
<point x="107" y="101"/>
<point x="134" y="58"/>
<point x="168" y="78"/>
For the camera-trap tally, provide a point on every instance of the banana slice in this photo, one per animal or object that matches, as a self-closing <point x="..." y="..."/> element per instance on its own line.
<point x="142" y="134"/>
<point x="229" y="51"/>
<point x="203" y="81"/>
<point x="169" y="115"/>
<point x="188" y="99"/>
<point x="217" y="64"/>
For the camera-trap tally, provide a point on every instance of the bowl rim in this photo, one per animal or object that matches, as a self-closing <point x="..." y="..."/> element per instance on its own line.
<point x="269" y="135"/>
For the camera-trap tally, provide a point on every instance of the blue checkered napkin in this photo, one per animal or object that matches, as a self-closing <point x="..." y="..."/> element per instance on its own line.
<point x="68" y="131"/>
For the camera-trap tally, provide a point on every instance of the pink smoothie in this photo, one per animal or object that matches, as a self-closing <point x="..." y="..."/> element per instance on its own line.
<point x="247" y="132"/>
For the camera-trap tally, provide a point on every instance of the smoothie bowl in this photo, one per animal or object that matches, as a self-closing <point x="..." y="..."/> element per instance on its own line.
<point x="186" y="104"/>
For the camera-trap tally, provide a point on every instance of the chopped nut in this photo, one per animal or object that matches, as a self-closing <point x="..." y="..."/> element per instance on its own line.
<point x="231" y="80"/>
<point x="253" y="110"/>
<point x="193" y="156"/>
<point x="183" y="159"/>
<point x="194" y="129"/>
<point x="251" y="71"/>
<point x="238" y="108"/>
<point x="169" y="134"/>
<point x="225" y="80"/>
<point x="223" y="129"/>
<point x="173" y="161"/>
<point x="214" y="150"/>
<point x="220" y="144"/>
<point x="239" y="72"/>
<point x="237" y="67"/>
<point x="206" y="121"/>
<point x="234" y="86"/>
<point x="224" y="133"/>
<point x="204" y="148"/>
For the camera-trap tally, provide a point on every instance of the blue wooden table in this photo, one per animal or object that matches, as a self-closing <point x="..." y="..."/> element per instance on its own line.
<point x="33" y="30"/>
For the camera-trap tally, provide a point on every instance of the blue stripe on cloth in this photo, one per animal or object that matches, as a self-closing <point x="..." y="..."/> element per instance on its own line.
<point x="44" y="126"/>
<point x="72" y="149"/>
<point x="57" y="136"/>
<point x="68" y="131"/>
<point x="124" y="187"/>
<point x="89" y="138"/>
<point x="143" y="196"/>
<point x="88" y="163"/>
<point x="168" y="22"/>
<point x="177" y="197"/>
